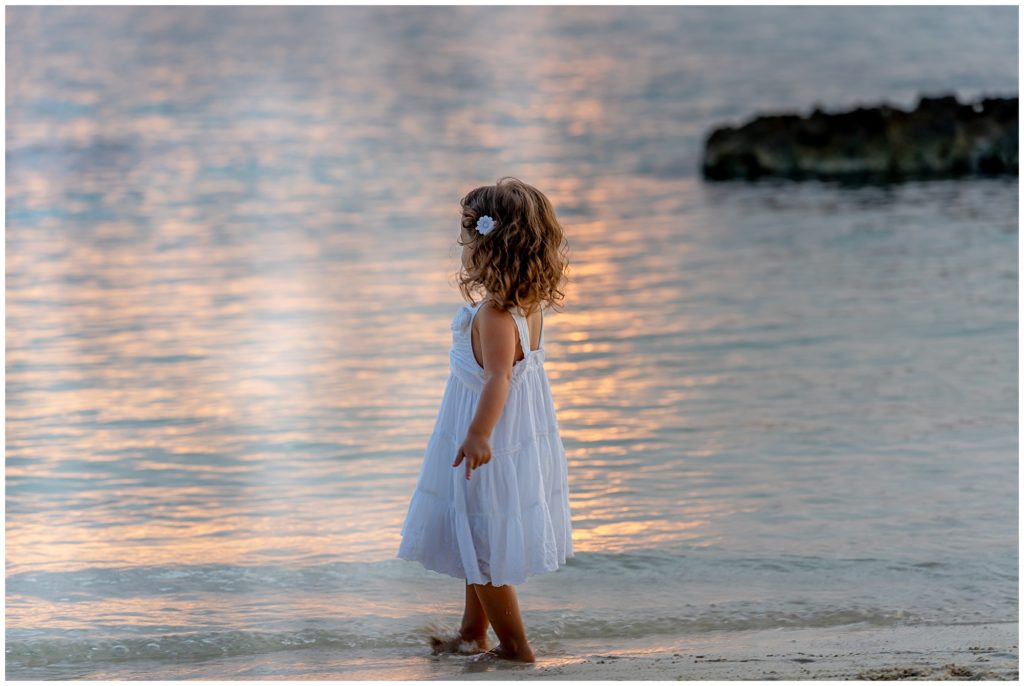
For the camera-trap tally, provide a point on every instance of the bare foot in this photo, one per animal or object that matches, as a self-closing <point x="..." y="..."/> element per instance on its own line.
<point x="457" y="644"/>
<point x="501" y="653"/>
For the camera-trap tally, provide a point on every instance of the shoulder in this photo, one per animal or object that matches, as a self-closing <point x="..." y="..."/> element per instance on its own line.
<point x="492" y="319"/>
<point x="491" y="312"/>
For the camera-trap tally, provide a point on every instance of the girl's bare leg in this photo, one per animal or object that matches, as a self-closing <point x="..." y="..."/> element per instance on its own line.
<point x="474" y="619"/>
<point x="502" y="609"/>
<point x="473" y="628"/>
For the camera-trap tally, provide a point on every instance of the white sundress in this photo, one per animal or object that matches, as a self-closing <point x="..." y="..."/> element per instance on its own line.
<point x="511" y="519"/>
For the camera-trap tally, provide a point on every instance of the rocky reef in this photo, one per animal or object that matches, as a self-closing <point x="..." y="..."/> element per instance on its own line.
<point x="941" y="138"/>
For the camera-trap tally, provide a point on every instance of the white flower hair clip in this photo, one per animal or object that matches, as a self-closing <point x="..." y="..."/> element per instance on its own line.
<point x="484" y="225"/>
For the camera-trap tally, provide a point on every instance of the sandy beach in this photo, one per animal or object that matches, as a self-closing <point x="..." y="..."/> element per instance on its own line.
<point x="971" y="652"/>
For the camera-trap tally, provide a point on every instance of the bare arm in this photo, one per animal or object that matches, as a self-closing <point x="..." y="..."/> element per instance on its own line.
<point x="497" y="340"/>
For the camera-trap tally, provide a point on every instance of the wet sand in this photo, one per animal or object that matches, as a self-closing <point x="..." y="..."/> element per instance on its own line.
<point x="964" y="652"/>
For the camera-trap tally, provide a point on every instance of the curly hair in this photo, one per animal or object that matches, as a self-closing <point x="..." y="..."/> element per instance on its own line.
<point x="522" y="261"/>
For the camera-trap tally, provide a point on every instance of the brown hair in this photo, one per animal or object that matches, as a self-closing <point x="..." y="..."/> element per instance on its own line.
<point x="522" y="261"/>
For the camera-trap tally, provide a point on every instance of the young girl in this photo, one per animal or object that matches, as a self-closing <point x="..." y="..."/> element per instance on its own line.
<point x="510" y="517"/>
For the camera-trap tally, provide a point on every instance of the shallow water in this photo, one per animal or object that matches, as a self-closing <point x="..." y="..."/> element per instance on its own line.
<point x="230" y="272"/>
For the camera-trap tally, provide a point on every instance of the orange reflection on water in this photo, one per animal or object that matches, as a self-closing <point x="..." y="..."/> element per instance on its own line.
<point x="252" y="351"/>
<point x="176" y="535"/>
<point x="625" y="535"/>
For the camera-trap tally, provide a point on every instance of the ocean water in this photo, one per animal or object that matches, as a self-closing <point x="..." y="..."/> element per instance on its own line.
<point x="230" y="260"/>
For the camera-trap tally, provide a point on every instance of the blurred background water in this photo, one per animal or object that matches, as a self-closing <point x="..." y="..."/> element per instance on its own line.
<point x="230" y="259"/>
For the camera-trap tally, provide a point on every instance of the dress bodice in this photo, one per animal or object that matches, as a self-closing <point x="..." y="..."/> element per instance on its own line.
<point x="463" y="362"/>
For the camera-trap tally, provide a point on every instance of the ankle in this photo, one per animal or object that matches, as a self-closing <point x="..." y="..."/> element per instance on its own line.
<point x="518" y="651"/>
<point x="474" y="635"/>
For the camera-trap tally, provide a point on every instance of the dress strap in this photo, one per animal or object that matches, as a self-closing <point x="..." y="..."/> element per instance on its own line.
<point x="524" y="332"/>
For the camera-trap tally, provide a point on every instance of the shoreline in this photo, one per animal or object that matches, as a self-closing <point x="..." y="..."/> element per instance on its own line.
<point x="922" y="652"/>
<point x="850" y="652"/>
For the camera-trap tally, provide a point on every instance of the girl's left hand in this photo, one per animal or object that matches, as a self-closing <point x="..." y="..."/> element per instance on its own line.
<point x="475" y="450"/>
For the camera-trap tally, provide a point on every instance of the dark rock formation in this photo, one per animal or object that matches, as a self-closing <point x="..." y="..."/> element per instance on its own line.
<point x="942" y="138"/>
